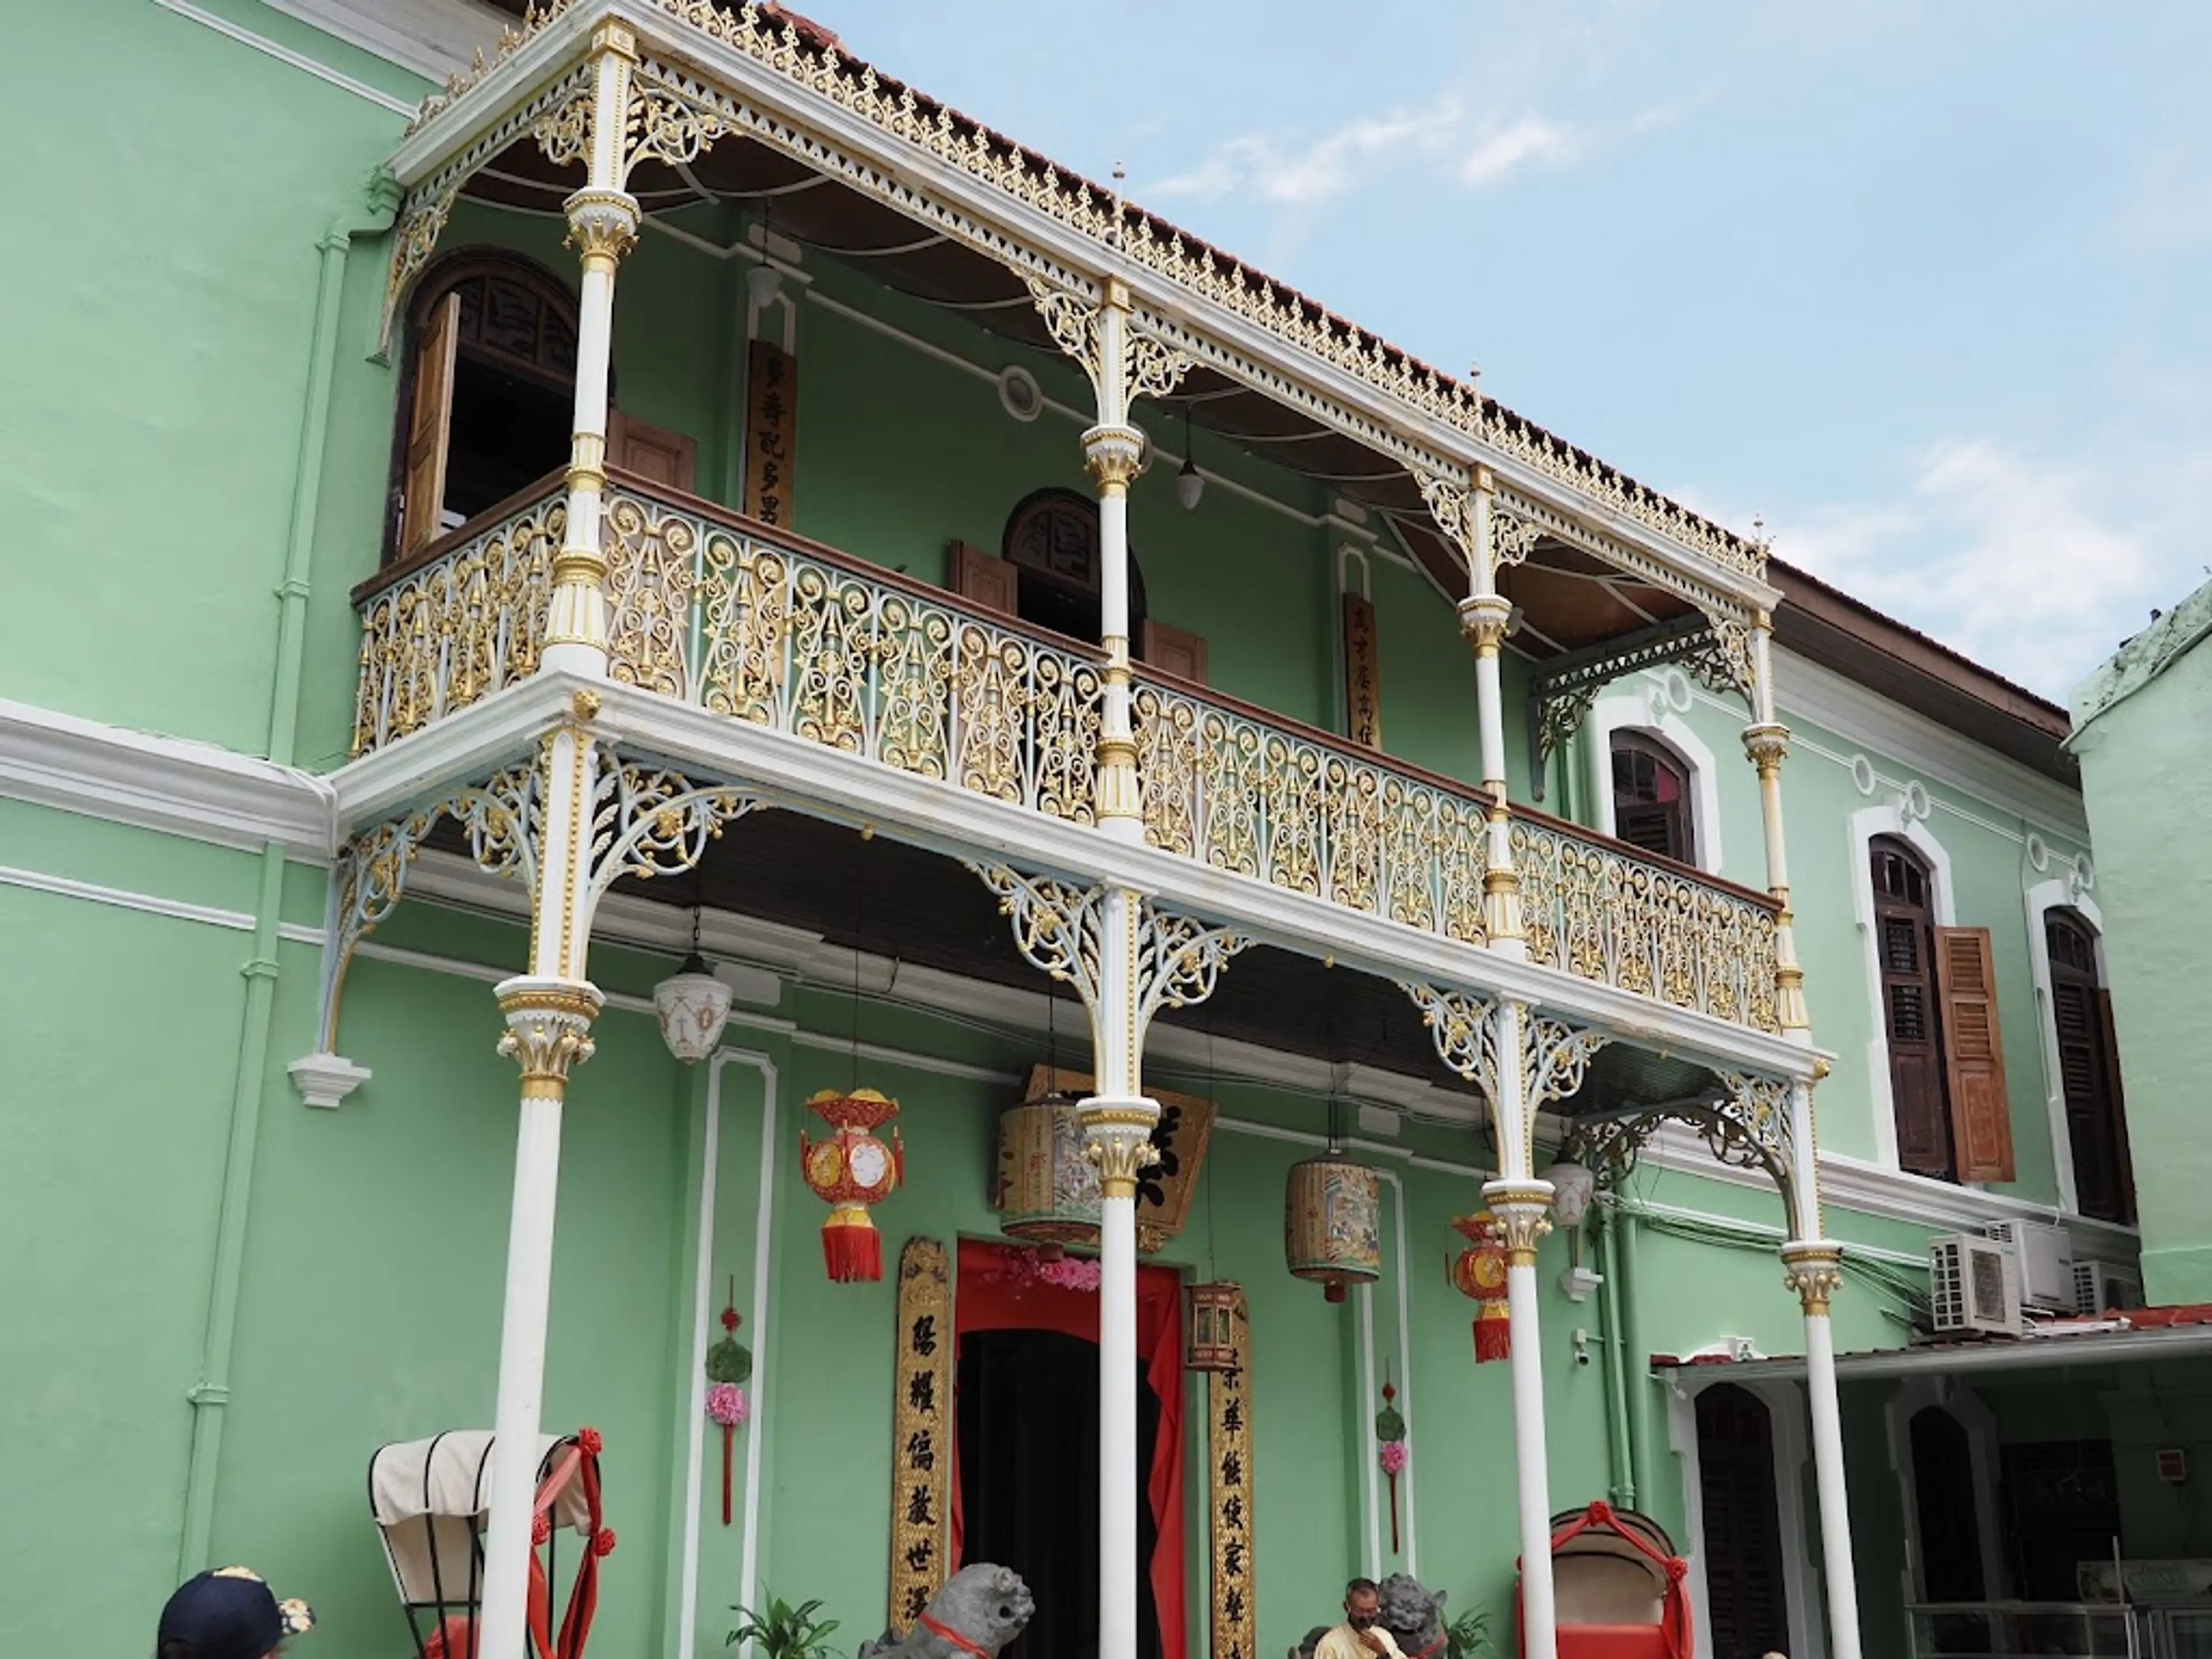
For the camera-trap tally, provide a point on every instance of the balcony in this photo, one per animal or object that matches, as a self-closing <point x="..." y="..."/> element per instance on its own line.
<point x="714" y="610"/>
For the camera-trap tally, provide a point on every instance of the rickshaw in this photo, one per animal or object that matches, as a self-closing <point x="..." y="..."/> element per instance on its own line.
<point x="1617" y="1587"/>
<point x="431" y="1500"/>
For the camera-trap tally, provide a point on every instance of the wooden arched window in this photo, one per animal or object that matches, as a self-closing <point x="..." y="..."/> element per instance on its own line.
<point x="1905" y="943"/>
<point x="489" y="395"/>
<point x="1939" y="1014"/>
<point x="1746" y="1596"/>
<point x="1652" y="797"/>
<point x="2088" y="1070"/>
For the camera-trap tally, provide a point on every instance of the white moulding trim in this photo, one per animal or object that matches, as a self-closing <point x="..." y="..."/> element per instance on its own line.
<point x="1892" y="819"/>
<point x="1650" y="713"/>
<point x="165" y="784"/>
<point x="325" y="1081"/>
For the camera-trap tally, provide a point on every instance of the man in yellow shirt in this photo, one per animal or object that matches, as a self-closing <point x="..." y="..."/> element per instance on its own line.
<point x="1361" y="1635"/>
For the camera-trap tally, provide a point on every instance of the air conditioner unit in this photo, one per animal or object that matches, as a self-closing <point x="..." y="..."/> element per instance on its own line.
<point x="2046" y="1262"/>
<point x="1973" y="1285"/>
<point x="2103" y="1287"/>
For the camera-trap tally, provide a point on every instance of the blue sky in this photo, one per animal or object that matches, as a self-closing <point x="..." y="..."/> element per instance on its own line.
<point x="1927" y="286"/>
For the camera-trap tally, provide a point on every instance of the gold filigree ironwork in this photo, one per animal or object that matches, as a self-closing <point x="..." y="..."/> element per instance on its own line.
<point x="1602" y="913"/>
<point x="460" y="628"/>
<point x="1744" y="1125"/>
<point x="648" y="821"/>
<point x="1259" y="800"/>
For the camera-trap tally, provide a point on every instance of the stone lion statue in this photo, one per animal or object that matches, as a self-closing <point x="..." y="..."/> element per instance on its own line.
<point x="1414" y="1616"/>
<point x="984" y="1605"/>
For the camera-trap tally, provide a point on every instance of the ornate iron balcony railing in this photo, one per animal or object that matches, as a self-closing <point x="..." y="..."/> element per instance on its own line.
<point x="716" y="611"/>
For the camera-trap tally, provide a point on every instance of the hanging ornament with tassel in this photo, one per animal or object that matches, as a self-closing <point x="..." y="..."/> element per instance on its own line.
<point x="1390" y="1429"/>
<point x="1479" y="1272"/>
<point x="729" y="1367"/>
<point x="849" y="1171"/>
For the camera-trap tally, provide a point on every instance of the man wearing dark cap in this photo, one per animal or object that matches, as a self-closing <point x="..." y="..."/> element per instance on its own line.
<point x="228" y="1613"/>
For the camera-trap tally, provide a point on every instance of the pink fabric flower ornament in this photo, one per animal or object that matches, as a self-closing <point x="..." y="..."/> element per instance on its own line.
<point x="1393" y="1456"/>
<point x="725" y="1405"/>
<point x="1070" y="1274"/>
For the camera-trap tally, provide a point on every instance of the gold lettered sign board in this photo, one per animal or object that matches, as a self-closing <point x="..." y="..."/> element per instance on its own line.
<point x="921" y="1431"/>
<point x="1363" y="696"/>
<point x="1180" y="1140"/>
<point x="1229" y="1482"/>
<point x="771" y="433"/>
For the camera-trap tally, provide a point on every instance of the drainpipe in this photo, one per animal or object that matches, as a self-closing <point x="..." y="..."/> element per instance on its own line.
<point x="1634" y="1364"/>
<point x="212" y="1394"/>
<point x="1621" y="1456"/>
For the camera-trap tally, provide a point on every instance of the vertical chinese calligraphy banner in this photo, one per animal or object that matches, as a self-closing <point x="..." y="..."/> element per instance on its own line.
<point x="1363" y="696"/>
<point x="771" y="433"/>
<point x="921" y="1434"/>
<point x="1229" y="1446"/>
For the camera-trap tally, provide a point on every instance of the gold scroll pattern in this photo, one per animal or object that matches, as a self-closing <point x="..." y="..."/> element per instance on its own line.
<point x="458" y="628"/>
<point x="1229" y="1449"/>
<point x="921" y="1431"/>
<point x="1260" y="801"/>
<point x="1603" y="915"/>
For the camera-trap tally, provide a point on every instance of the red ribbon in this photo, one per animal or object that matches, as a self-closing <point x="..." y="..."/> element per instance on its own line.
<point x="953" y="1636"/>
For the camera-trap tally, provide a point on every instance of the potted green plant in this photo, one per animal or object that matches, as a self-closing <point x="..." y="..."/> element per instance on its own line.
<point x="1468" y="1637"/>
<point x="783" y="1632"/>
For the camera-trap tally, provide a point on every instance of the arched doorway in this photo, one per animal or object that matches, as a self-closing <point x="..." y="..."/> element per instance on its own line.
<point x="1746" y="1597"/>
<point x="489" y="394"/>
<point x="1948" y="1524"/>
<point x="2088" y="1070"/>
<point x="1052" y="541"/>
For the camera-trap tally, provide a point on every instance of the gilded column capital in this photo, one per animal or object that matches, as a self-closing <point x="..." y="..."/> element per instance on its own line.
<point x="1814" y="1269"/>
<point x="602" y="224"/>
<point x="1523" y="1211"/>
<point x="1115" y="456"/>
<point x="1118" y="1139"/>
<point x="1484" y="618"/>
<point x="549" y="1025"/>
<point x="1766" y="745"/>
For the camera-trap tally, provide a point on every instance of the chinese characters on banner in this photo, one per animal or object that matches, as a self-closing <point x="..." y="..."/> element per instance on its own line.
<point x="921" y="1431"/>
<point x="1363" y="698"/>
<point x="771" y="433"/>
<point x="1228" y="1478"/>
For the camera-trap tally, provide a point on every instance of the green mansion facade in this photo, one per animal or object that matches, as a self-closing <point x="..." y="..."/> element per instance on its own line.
<point x="682" y="491"/>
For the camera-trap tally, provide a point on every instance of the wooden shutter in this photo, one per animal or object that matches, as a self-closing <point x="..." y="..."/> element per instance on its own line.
<point x="1910" y="1034"/>
<point x="1973" y="1054"/>
<point x="2117" y="1102"/>
<point x="653" y="453"/>
<point x="984" y="580"/>
<point x="429" y="429"/>
<point x="1173" y="651"/>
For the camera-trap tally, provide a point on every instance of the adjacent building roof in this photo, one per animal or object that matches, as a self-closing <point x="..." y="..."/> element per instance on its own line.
<point x="2138" y="1334"/>
<point x="2171" y="636"/>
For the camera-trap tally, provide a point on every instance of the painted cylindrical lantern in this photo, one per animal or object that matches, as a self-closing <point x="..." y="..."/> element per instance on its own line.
<point x="1213" y="1328"/>
<point x="1047" y="1190"/>
<point x="1332" y="1233"/>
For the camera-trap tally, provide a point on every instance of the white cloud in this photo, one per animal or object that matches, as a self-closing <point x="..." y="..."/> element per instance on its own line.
<point x="1321" y="170"/>
<point x="2007" y="560"/>
<point x="1524" y="142"/>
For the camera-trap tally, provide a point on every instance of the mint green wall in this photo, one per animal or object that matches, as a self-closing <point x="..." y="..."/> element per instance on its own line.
<point x="158" y="356"/>
<point x="2143" y="774"/>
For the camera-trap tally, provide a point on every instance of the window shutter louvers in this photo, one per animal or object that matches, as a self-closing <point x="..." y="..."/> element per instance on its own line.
<point x="2116" y="1103"/>
<point x="1981" y="1124"/>
<point x="429" y="429"/>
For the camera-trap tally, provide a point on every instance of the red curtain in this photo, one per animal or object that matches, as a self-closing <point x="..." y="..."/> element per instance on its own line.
<point x="988" y="1297"/>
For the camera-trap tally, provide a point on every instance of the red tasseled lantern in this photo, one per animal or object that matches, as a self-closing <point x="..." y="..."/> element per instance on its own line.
<point x="1479" y="1272"/>
<point x="849" y="1171"/>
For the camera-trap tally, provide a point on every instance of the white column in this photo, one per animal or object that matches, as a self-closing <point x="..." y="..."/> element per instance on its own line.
<point x="1520" y="1204"/>
<point x="1815" y="1270"/>
<point x="1117" y="1123"/>
<point x="603" y="220"/>
<point x="549" y="1013"/>
<point x="1115" y="452"/>
<point x="1482" y="617"/>
<point x="1766" y="744"/>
